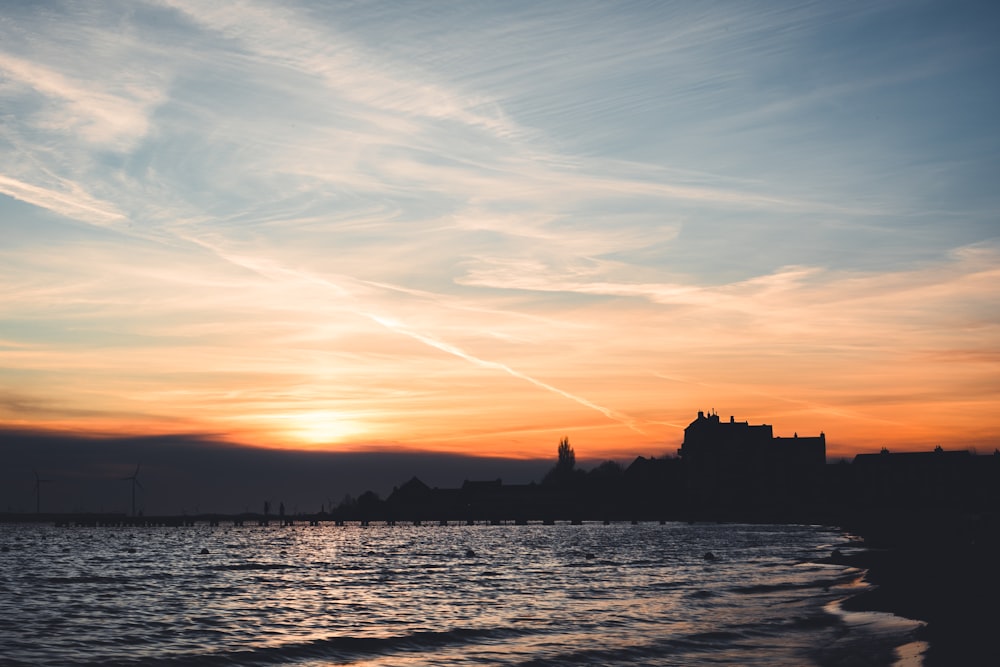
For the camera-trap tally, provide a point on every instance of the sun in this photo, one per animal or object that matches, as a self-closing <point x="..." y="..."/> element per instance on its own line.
<point x="322" y="427"/>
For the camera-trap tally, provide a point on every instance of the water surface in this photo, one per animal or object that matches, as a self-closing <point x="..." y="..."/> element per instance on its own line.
<point x="617" y="594"/>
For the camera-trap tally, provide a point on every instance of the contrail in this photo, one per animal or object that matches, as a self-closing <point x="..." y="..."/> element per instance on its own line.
<point x="271" y="270"/>
<point x="496" y="365"/>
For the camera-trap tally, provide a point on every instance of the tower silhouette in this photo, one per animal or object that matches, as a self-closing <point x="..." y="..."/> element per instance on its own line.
<point x="135" y="482"/>
<point x="38" y="491"/>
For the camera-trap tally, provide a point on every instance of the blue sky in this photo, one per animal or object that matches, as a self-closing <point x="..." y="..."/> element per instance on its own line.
<point x="368" y="224"/>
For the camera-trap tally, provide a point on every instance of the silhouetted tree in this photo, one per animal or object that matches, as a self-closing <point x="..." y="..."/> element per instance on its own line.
<point x="565" y="466"/>
<point x="567" y="457"/>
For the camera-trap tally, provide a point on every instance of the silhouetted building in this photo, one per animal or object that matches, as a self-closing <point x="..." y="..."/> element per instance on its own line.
<point x="653" y="488"/>
<point x="738" y="464"/>
<point x="412" y="492"/>
<point x="915" y="479"/>
<point x="726" y="470"/>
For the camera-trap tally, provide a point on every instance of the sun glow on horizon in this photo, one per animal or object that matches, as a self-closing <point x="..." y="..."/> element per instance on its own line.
<point x="307" y="429"/>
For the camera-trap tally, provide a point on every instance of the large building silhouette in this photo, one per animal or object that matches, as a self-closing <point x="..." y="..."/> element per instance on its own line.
<point x="731" y="462"/>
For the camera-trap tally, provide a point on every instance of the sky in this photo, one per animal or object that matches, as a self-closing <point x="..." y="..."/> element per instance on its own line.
<point x="478" y="227"/>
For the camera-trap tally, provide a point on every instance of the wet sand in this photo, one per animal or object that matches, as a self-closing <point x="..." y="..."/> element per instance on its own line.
<point x="938" y="568"/>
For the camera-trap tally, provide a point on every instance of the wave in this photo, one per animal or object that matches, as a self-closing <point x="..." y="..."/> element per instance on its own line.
<point x="341" y="649"/>
<point x="102" y="579"/>
<point x="84" y="579"/>
<point x="688" y="646"/>
<point x="252" y="566"/>
<point x="785" y="586"/>
<point x="702" y="594"/>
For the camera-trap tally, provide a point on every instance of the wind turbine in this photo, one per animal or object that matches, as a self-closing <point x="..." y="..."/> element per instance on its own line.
<point x="38" y="491"/>
<point x="135" y="482"/>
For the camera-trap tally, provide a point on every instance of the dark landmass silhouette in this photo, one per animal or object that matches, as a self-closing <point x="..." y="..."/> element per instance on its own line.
<point x="928" y="520"/>
<point x="939" y="567"/>
<point x="193" y="474"/>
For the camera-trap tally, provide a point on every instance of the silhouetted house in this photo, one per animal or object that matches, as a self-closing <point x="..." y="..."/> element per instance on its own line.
<point x="483" y="499"/>
<point x="986" y="481"/>
<point x="915" y="479"/>
<point x="494" y="501"/>
<point x="737" y="464"/>
<point x="653" y="488"/>
<point x="368" y="507"/>
<point x="482" y="488"/>
<point x="524" y="502"/>
<point x="414" y="500"/>
<point x="413" y="491"/>
<point x="448" y="505"/>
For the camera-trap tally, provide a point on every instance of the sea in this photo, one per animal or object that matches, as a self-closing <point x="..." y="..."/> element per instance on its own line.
<point x="406" y="595"/>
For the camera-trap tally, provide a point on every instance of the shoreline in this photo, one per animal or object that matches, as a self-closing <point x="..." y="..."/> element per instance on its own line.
<point x="939" y="568"/>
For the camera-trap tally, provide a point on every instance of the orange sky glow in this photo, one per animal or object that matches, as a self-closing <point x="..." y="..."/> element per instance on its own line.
<point x="895" y="360"/>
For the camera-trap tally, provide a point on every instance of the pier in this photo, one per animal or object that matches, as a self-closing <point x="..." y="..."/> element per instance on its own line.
<point x="97" y="520"/>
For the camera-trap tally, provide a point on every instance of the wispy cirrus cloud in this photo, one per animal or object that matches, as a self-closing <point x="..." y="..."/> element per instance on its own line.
<point x="70" y="200"/>
<point x="111" y="116"/>
<point x="284" y="37"/>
